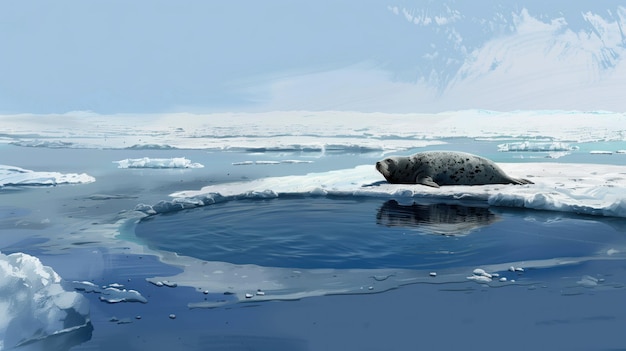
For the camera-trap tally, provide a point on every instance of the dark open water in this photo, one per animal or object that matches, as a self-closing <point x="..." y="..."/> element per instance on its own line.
<point x="370" y="233"/>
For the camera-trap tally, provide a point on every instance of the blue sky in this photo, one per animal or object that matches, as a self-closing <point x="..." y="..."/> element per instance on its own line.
<point x="202" y="56"/>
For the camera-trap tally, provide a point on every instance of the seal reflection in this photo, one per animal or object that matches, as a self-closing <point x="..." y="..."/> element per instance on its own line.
<point x="438" y="218"/>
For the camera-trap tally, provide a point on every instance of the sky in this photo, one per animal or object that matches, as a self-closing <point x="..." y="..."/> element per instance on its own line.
<point x="384" y="56"/>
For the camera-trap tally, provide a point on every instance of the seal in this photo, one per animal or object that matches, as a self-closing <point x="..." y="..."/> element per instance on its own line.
<point x="436" y="168"/>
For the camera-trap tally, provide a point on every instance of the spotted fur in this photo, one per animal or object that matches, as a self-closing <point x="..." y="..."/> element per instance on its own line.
<point x="436" y="168"/>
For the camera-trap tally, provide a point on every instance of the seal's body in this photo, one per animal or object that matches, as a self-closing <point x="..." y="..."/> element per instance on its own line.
<point x="436" y="168"/>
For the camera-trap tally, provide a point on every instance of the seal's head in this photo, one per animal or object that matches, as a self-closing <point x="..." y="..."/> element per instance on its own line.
<point x="392" y="168"/>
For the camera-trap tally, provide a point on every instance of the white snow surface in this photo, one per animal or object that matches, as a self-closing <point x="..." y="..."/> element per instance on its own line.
<point x="33" y="304"/>
<point x="147" y="162"/>
<point x="584" y="189"/>
<point x="304" y="130"/>
<point x="16" y="176"/>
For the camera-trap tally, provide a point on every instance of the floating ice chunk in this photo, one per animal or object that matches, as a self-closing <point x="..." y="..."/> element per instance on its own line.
<point x="503" y="279"/>
<point x="588" y="281"/>
<point x="535" y="146"/>
<point x="161" y="283"/>
<point x="249" y="296"/>
<point x="111" y="293"/>
<point x="52" y="144"/>
<point x="146" y="162"/>
<point x="611" y="252"/>
<point x="172" y="316"/>
<point x="601" y="152"/>
<point x="33" y="303"/>
<point x="15" y="176"/>
<point x="433" y="274"/>
<point x="481" y="272"/>
<point x="114" y="295"/>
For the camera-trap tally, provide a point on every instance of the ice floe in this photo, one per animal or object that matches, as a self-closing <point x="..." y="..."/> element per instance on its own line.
<point x="536" y="146"/>
<point x="583" y="189"/>
<point x="147" y="162"/>
<point x="33" y="303"/>
<point x="16" y="176"/>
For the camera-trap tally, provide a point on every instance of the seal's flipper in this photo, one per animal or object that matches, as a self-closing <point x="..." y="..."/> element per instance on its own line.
<point x="427" y="181"/>
<point x="521" y="181"/>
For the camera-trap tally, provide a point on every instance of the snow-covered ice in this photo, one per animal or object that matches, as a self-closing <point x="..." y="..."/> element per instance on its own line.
<point x="584" y="189"/>
<point x="34" y="304"/>
<point x="323" y="131"/>
<point x="16" y="176"/>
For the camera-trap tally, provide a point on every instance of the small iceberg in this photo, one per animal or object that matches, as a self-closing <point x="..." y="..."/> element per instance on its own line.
<point x="15" y="176"/>
<point x="34" y="303"/>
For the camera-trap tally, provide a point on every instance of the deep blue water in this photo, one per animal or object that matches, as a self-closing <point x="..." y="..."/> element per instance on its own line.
<point x="316" y="232"/>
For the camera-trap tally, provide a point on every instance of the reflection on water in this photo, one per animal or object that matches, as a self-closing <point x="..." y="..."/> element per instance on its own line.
<point x="362" y="233"/>
<point x="442" y="219"/>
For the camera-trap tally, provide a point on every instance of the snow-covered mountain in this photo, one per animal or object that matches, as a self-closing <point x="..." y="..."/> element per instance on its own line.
<point x="487" y="54"/>
<point x="395" y="56"/>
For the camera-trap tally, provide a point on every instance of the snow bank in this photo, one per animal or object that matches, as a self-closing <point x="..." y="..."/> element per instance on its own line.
<point x="146" y="162"/>
<point x="33" y="304"/>
<point x="578" y="188"/>
<point x="15" y="176"/>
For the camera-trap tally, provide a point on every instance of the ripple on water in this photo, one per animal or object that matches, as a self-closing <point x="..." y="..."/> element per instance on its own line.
<point x="372" y="233"/>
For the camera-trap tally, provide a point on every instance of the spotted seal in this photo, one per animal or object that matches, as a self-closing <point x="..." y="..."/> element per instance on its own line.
<point x="435" y="168"/>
